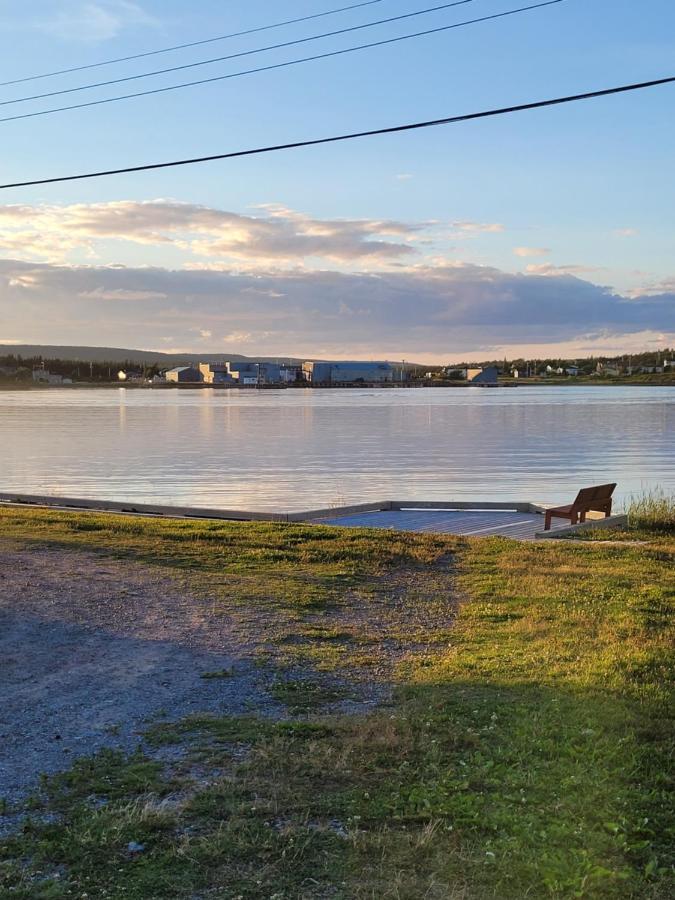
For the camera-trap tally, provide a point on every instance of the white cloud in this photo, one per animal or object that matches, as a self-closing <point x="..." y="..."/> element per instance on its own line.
<point x="479" y="227"/>
<point x="550" y="269"/>
<point x="280" y="235"/>
<point x="531" y="251"/>
<point x="91" y="22"/>
<point x="101" y="293"/>
<point x="208" y="237"/>
<point x="626" y="232"/>
<point x="238" y="337"/>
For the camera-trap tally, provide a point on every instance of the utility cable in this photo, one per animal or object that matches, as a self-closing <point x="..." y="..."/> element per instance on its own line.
<point x="222" y="37"/>
<point x="451" y="120"/>
<point x="217" y="59"/>
<point x="282" y="65"/>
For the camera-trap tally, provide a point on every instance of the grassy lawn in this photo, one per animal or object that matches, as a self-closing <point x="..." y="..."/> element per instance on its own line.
<point x="525" y="752"/>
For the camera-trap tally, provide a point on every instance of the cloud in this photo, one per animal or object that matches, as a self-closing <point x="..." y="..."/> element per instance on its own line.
<point x="101" y="293"/>
<point x="91" y="22"/>
<point x="626" y="232"/>
<point x="571" y="269"/>
<point x="531" y="251"/>
<point x="422" y="310"/>
<point x="204" y="236"/>
<point x="478" y="227"/>
<point x="278" y="234"/>
<point x="654" y="288"/>
<point x="404" y="176"/>
<point x="238" y="337"/>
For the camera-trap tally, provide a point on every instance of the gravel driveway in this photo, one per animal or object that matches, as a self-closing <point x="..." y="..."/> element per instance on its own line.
<point x="91" y="648"/>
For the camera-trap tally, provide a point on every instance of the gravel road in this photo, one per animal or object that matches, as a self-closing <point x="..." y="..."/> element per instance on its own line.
<point x="91" y="648"/>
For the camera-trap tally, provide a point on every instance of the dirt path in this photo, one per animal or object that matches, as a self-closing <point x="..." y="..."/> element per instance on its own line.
<point x="91" y="648"/>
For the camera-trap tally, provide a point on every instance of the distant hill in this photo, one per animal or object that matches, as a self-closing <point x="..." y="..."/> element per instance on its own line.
<point x="121" y="355"/>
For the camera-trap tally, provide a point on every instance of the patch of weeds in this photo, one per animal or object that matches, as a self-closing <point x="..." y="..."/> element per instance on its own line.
<point x="652" y="511"/>
<point x="218" y="673"/>
<point x="303" y="696"/>
<point x="109" y="774"/>
<point x="224" y="729"/>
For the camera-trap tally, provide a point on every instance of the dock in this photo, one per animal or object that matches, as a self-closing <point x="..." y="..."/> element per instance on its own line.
<point x="518" y="520"/>
<point x="468" y="522"/>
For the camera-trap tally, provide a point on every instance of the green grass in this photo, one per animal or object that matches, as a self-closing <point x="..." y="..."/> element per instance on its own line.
<point x="652" y="511"/>
<point x="526" y="753"/>
<point x="216" y="674"/>
<point x="304" y="695"/>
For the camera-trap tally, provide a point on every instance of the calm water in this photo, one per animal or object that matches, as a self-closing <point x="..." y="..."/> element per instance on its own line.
<point x="302" y="449"/>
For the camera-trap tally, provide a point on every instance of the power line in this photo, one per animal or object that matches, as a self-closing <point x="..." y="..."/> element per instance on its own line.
<point x="205" y="62"/>
<point x="283" y="65"/>
<point x="222" y="37"/>
<point x="451" y="120"/>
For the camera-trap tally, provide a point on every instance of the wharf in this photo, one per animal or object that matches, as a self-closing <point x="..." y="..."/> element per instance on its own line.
<point x="518" y="520"/>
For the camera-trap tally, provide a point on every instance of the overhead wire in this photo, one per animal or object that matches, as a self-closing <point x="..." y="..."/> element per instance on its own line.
<point x="212" y="40"/>
<point x="275" y="148"/>
<point x="294" y="62"/>
<point x="239" y="55"/>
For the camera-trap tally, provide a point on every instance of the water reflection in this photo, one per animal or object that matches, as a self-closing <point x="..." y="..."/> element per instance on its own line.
<point x="297" y="449"/>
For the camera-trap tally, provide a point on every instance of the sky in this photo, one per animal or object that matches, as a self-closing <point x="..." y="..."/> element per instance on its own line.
<point x="547" y="233"/>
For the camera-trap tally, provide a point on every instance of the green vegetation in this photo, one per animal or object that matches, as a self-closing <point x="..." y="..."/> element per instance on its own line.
<point x="652" y="511"/>
<point x="524" y="753"/>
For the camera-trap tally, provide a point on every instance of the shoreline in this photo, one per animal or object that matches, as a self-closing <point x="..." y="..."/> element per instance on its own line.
<point x="576" y="382"/>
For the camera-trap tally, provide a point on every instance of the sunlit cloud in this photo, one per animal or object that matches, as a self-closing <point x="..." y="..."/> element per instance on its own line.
<point x="100" y="293"/>
<point x="531" y="251"/>
<point x="206" y="237"/>
<point x="550" y="269"/>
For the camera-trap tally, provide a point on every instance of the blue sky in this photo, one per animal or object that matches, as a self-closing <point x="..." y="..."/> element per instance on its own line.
<point x="573" y="205"/>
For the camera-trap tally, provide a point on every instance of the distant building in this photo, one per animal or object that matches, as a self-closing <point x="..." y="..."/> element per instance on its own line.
<point x="42" y="376"/>
<point x="183" y="375"/>
<point x="290" y="374"/>
<point x="250" y="373"/>
<point x="487" y="376"/>
<point x="573" y="371"/>
<point x="607" y="369"/>
<point x="327" y="373"/>
<point x="215" y="373"/>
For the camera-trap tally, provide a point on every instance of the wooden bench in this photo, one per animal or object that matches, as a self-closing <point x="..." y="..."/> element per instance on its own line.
<point x="592" y="499"/>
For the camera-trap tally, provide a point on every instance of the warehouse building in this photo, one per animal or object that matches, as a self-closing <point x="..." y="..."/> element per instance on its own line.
<point x="327" y="373"/>
<point x="183" y="375"/>
<point x="253" y="373"/>
<point x="215" y="373"/>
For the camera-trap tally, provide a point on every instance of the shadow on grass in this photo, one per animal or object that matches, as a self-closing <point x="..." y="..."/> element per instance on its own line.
<point x="459" y="789"/>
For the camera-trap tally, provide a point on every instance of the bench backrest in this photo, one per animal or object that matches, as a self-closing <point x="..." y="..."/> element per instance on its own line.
<point x="590" y="498"/>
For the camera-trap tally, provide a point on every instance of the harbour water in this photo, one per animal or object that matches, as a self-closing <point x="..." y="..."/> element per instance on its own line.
<point x="285" y="451"/>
